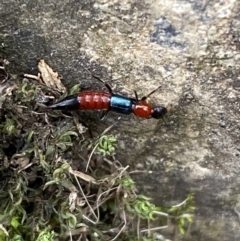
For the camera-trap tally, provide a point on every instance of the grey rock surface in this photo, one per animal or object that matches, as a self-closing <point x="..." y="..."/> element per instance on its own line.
<point x="191" y="48"/>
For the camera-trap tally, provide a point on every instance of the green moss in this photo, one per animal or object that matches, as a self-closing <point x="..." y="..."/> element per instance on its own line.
<point x="57" y="182"/>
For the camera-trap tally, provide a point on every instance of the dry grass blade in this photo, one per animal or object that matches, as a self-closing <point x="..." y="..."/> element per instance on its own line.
<point x="82" y="176"/>
<point x="4" y="230"/>
<point x="31" y="76"/>
<point x="123" y="225"/>
<point x="88" y="204"/>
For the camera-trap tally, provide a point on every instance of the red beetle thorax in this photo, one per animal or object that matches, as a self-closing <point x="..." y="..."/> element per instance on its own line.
<point x="143" y="110"/>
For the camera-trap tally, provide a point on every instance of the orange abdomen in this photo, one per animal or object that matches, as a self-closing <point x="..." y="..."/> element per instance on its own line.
<point x="94" y="100"/>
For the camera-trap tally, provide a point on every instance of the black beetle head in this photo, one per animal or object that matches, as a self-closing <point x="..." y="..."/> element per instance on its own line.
<point x="158" y="112"/>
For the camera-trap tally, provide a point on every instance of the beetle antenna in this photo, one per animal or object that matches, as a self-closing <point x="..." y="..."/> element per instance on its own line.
<point x="97" y="78"/>
<point x="147" y="96"/>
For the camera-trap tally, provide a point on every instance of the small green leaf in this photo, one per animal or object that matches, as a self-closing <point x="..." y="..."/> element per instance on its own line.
<point x="46" y="235"/>
<point x="181" y="221"/>
<point x="181" y="230"/>
<point x="55" y="181"/>
<point x="14" y="222"/>
<point x="17" y="237"/>
<point x="30" y="135"/>
<point x="50" y="150"/>
<point x="74" y="89"/>
<point x="62" y="146"/>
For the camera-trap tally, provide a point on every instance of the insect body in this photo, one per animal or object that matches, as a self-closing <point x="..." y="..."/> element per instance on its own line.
<point x="108" y="101"/>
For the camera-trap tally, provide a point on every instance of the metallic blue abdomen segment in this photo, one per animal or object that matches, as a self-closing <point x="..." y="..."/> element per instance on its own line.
<point x="121" y="104"/>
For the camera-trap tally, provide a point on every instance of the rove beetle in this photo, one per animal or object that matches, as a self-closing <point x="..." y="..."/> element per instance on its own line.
<point x="108" y="101"/>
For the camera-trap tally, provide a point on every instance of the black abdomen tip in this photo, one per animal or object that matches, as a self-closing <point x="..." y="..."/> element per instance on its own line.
<point x="68" y="103"/>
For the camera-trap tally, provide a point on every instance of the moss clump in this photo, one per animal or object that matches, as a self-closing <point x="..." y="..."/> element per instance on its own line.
<point x="57" y="182"/>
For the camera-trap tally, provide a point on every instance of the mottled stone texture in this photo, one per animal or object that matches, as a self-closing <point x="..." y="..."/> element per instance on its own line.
<point x="191" y="48"/>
